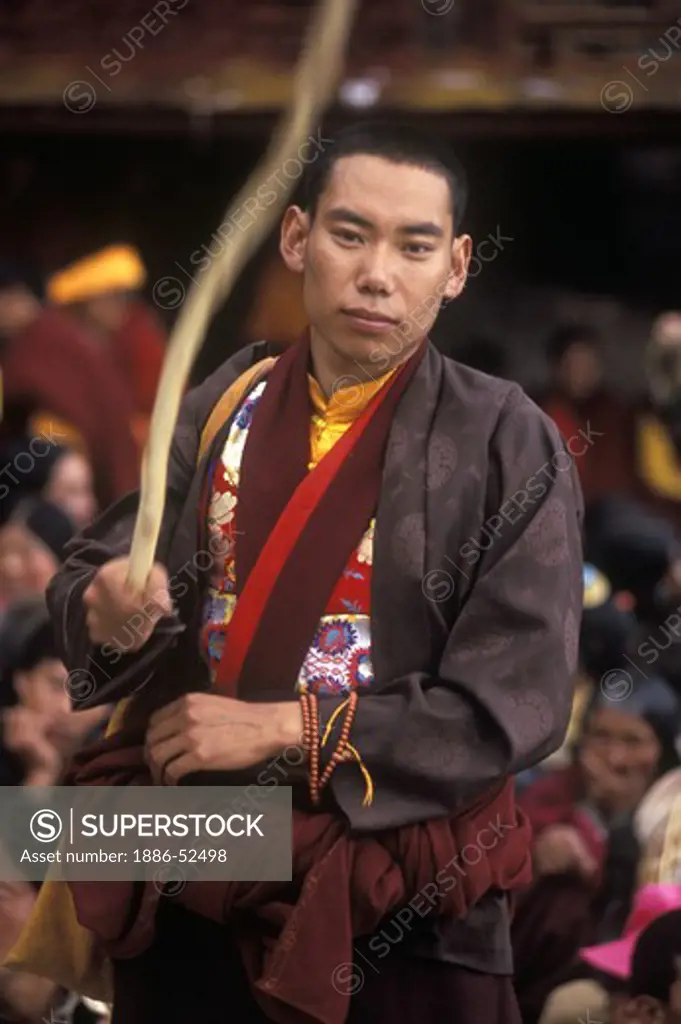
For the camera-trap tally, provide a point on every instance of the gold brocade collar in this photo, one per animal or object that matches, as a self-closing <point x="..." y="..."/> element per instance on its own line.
<point x="345" y="404"/>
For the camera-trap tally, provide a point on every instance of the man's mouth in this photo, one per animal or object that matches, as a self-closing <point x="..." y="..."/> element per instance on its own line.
<point x="371" y="321"/>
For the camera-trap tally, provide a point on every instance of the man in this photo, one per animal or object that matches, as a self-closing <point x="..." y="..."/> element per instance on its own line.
<point x="658" y="424"/>
<point x="57" y="385"/>
<point x="441" y="660"/>
<point x="101" y="291"/>
<point x="578" y="397"/>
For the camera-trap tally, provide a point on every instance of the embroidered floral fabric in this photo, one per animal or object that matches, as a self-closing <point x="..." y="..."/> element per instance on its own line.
<point x="339" y="659"/>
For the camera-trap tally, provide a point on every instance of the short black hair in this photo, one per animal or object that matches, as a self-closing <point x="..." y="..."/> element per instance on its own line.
<point x="394" y="141"/>
<point x="653" y="968"/>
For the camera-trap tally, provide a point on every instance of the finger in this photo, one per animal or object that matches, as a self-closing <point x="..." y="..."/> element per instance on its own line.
<point x="160" y="755"/>
<point x="159" y="597"/>
<point x="149" y="613"/>
<point x="163" y="731"/>
<point x="93" y="626"/>
<point x="141" y="634"/>
<point x="178" y="768"/>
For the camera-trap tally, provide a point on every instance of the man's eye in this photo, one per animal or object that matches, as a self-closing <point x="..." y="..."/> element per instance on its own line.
<point x="348" y="236"/>
<point x="419" y="248"/>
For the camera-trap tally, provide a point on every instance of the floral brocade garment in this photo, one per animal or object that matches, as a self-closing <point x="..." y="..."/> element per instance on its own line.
<point x="339" y="659"/>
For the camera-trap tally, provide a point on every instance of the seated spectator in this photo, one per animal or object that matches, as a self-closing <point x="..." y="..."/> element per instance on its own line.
<point x="607" y="994"/>
<point x="658" y="829"/>
<point x="69" y="485"/>
<point x="32" y="547"/>
<point x="657" y="445"/>
<point x="59" y="474"/>
<point x="39" y="731"/>
<point x="41" y="726"/>
<point x="601" y="424"/>
<point x="586" y="852"/>
<point x="655" y="977"/>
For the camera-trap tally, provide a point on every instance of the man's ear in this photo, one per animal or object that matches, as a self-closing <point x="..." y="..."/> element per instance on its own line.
<point x="295" y="231"/>
<point x="462" y="250"/>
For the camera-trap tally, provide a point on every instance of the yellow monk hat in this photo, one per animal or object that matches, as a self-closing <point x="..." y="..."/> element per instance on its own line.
<point x="118" y="268"/>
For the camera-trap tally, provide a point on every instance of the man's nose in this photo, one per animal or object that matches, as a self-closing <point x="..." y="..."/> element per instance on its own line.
<point x="376" y="274"/>
<point x="618" y="758"/>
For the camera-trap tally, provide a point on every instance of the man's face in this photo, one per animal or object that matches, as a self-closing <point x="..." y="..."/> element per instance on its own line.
<point x="26" y="565"/>
<point x="619" y="756"/>
<point x="16" y="305"/>
<point x="581" y="370"/>
<point x="378" y="259"/>
<point x="71" y="488"/>
<point x="108" y="313"/>
<point x="43" y="688"/>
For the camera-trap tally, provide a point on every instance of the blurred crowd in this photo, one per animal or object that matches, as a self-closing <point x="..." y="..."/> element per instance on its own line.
<point x="597" y="937"/>
<point x="80" y="357"/>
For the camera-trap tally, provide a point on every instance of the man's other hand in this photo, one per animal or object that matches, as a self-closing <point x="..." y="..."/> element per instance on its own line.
<point x="207" y="732"/>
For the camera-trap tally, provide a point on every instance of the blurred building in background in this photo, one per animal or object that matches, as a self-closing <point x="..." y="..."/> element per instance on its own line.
<point x="135" y="123"/>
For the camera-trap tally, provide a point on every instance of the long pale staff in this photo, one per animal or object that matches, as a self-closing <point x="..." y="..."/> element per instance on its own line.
<point x="314" y="85"/>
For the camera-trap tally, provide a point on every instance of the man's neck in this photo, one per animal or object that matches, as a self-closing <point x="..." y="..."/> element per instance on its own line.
<point x="331" y="370"/>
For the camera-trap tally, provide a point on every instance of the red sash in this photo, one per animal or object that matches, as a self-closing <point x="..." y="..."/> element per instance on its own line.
<point x="301" y="554"/>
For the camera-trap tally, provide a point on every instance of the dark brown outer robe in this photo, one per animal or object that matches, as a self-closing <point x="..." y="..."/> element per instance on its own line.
<point x="476" y="605"/>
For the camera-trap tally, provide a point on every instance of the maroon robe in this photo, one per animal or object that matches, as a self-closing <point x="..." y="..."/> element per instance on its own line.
<point x="473" y="667"/>
<point x="53" y="366"/>
<point x="606" y="466"/>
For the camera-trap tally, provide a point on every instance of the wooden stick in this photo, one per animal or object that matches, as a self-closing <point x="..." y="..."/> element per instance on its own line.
<point x="316" y="77"/>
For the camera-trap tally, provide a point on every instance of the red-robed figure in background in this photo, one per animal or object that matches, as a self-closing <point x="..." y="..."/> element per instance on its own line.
<point x="101" y="291"/>
<point x="57" y="383"/>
